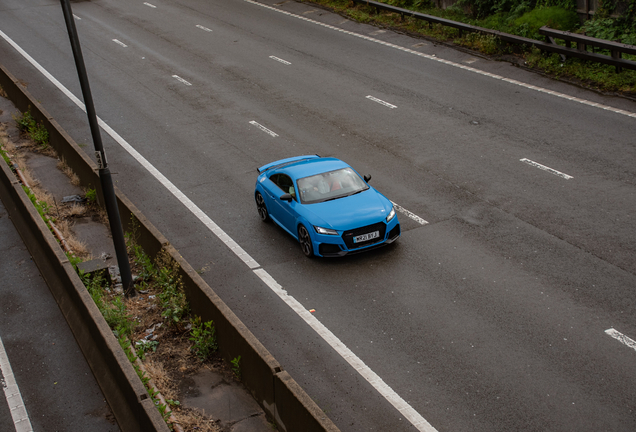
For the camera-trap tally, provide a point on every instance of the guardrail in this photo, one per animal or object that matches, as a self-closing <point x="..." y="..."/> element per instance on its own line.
<point x="582" y="42"/>
<point x="618" y="62"/>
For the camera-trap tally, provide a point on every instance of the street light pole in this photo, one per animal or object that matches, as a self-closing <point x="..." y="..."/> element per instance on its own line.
<point x="110" y="199"/>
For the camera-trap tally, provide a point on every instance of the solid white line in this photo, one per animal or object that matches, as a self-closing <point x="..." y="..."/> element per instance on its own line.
<point x="181" y="80"/>
<point x="545" y="168"/>
<point x="12" y="393"/>
<point x="150" y="5"/>
<point x="413" y="216"/>
<point x="380" y="101"/>
<point x="389" y="394"/>
<point x="280" y="60"/>
<point x="263" y="128"/>
<point x="413" y="416"/>
<point x="621" y="338"/>
<point x="203" y="28"/>
<point x="449" y="63"/>
<point x="120" y="43"/>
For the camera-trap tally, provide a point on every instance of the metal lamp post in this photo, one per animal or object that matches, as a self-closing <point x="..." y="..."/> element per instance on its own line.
<point x="106" y="180"/>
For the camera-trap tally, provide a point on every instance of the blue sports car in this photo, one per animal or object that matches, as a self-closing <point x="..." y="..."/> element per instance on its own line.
<point x="326" y="205"/>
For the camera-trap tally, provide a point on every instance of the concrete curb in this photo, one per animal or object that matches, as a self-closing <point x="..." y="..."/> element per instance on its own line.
<point x="115" y="375"/>
<point x="274" y="389"/>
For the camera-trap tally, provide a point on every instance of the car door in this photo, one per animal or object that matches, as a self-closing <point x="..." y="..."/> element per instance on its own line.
<point x="284" y="212"/>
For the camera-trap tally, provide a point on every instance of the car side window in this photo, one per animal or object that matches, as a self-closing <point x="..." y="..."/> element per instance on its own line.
<point x="285" y="183"/>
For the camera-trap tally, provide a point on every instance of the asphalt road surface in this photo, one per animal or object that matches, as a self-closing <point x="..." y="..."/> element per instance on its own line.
<point x="494" y="311"/>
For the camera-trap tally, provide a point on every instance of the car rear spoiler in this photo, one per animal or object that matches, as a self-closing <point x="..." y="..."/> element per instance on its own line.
<point x="282" y="162"/>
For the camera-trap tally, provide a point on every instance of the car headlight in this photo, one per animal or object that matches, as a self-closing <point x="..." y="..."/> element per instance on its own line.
<point x="326" y="231"/>
<point x="391" y="215"/>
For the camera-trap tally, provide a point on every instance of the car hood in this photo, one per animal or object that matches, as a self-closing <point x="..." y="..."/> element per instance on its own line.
<point x="364" y="208"/>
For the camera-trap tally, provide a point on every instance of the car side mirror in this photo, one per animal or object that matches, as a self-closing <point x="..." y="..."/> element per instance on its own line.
<point x="367" y="178"/>
<point x="286" y="197"/>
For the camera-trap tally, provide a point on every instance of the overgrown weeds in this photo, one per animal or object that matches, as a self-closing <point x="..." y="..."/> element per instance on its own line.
<point x="164" y="275"/>
<point x="36" y="131"/>
<point x="62" y="215"/>
<point x="148" y="329"/>
<point x="203" y="336"/>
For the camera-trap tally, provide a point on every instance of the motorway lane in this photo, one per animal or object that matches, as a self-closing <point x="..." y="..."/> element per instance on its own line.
<point x="471" y="164"/>
<point x="445" y="180"/>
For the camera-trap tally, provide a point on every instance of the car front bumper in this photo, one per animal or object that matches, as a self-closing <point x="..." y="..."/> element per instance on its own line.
<point x="343" y="244"/>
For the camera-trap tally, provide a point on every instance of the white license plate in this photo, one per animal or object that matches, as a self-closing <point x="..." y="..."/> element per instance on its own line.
<point x="365" y="237"/>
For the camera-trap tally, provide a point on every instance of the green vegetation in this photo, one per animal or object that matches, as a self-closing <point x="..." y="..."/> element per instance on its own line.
<point x="203" y="334"/>
<point x="164" y="274"/>
<point x="5" y="156"/>
<point x="40" y="206"/>
<point x="36" y="131"/>
<point x="236" y="367"/>
<point x="173" y="300"/>
<point x="145" y="379"/>
<point x="518" y="17"/>
<point x="91" y="195"/>
<point x="111" y="306"/>
<point x="74" y="260"/>
<point x="144" y="346"/>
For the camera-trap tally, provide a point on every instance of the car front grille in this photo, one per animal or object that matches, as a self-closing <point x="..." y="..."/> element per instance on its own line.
<point x="348" y="236"/>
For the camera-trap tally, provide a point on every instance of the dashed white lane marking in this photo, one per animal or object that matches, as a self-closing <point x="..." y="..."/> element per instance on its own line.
<point x="263" y="128"/>
<point x="413" y="216"/>
<point x="450" y="63"/>
<point x="381" y="102"/>
<point x="203" y="28"/>
<point x="76" y="17"/>
<point x="391" y="396"/>
<point x="120" y="43"/>
<point x="150" y="5"/>
<point x="181" y="80"/>
<point x="621" y="338"/>
<point x="12" y="394"/>
<point x="545" y="168"/>
<point x="285" y="62"/>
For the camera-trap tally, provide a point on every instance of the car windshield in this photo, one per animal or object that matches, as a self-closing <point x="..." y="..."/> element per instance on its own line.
<point x="330" y="185"/>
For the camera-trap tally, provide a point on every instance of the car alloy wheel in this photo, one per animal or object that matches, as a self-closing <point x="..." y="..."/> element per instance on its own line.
<point x="305" y="241"/>
<point x="261" y="207"/>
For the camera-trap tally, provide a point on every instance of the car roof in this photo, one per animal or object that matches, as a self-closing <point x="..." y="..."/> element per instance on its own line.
<point x="309" y="167"/>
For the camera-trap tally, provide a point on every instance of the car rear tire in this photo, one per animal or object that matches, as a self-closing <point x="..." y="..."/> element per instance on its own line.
<point x="261" y="207"/>
<point x="305" y="241"/>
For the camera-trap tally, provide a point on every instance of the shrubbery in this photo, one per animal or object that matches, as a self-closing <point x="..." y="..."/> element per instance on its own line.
<point x="555" y="17"/>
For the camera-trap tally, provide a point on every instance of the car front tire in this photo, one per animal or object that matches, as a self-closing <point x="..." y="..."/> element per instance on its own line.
<point x="305" y="241"/>
<point x="261" y="207"/>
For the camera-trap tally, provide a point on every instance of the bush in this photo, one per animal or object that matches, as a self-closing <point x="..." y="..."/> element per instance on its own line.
<point x="611" y="29"/>
<point x="528" y="24"/>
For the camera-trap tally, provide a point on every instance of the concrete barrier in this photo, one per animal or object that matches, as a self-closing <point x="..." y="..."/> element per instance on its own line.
<point x="115" y="375"/>
<point x="275" y="390"/>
